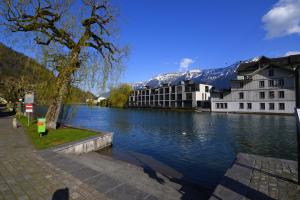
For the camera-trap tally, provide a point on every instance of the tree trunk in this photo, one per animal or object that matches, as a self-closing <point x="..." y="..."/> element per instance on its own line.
<point x="63" y="84"/>
<point x="55" y="108"/>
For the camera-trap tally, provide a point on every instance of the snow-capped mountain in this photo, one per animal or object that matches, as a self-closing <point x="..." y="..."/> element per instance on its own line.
<point x="219" y="77"/>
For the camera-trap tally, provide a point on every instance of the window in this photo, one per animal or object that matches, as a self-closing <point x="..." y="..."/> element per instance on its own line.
<point x="280" y="82"/>
<point x="281" y="106"/>
<point x="188" y="89"/>
<point x="166" y="90"/>
<point x="271" y="72"/>
<point x="261" y="84"/>
<point x="206" y="88"/>
<point x="271" y="83"/>
<point x="241" y="84"/>
<point x="189" y="96"/>
<point x="241" y="95"/>
<point x="217" y="105"/>
<point x="173" y="97"/>
<point x="221" y="95"/>
<point x="262" y="106"/>
<point x="222" y="105"/>
<point x="241" y="105"/>
<point x="262" y="95"/>
<point x="179" y="89"/>
<point x="281" y="94"/>
<point x="179" y="96"/>
<point x="225" y="105"/>
<point x="173" y="89"/>
<point x="271" y="106"/>
<point x="271" y="94"/>
<point x="249" y="106"/>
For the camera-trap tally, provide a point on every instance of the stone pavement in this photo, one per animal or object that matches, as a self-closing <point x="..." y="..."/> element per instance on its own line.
<point x="123" y="181"/>
<point x="24" y="174"/>
<point x="256" y="177"/>
<point x="29" y="174"/>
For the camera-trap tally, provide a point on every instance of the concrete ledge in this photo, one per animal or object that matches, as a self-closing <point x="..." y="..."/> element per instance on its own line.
<point x="93" y="143"/>
<point x="260" y="178"/>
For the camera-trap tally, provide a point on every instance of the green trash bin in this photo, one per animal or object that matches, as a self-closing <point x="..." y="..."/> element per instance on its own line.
<point x="41" y="125"/>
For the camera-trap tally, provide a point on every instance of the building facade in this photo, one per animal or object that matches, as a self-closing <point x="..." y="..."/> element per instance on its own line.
<point x="262" y="86"/>
<point x="186" y="94"/>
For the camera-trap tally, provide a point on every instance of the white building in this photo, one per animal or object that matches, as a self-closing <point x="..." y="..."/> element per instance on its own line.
<point x="99" y="99"/>
<point x="265" y="85"/>
<point x="186" y="94"/>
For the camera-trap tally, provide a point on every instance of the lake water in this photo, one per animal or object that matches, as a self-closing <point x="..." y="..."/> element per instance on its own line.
<point x="199" y="146"/>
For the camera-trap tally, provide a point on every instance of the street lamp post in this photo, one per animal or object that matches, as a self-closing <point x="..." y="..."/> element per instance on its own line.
<point x="297" y="93"/>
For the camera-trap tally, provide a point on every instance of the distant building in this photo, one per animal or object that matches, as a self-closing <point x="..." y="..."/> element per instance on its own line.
<point x="95" y="101"/>
<point x="99" y="99"/>
<point x="265" y="85"/>
<point x="186" y="94"/>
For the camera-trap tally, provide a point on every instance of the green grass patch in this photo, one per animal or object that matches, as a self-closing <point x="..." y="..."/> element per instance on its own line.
<point x="53" y="137"/>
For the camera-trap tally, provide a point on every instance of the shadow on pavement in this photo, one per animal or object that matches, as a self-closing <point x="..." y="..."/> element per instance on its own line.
<point x="244" y="190"/>
<point x="153" y="168"/>
<point x="188" y="190"/>
<point x="61" y="194"/>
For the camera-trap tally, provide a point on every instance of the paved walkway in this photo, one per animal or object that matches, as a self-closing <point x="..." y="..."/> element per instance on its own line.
<point x="26" y="175"/>
<point x="256" y="177"/>
<point x="29" y="174"/>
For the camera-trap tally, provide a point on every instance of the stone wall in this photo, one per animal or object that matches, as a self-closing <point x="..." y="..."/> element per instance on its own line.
<point x="93" y="143"/>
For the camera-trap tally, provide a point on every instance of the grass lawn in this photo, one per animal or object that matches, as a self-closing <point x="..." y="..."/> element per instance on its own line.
<point x="53" y="137"/>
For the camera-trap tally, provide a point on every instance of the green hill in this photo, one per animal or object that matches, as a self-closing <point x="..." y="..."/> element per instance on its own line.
<point x="19" y="73"/>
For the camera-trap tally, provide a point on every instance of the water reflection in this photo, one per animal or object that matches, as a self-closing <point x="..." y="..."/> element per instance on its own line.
<point x="208" y="146"/>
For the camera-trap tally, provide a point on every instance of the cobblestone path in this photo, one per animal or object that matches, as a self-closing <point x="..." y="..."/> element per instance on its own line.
<point x="24" y="174"/>
<point x="258" y="177"/>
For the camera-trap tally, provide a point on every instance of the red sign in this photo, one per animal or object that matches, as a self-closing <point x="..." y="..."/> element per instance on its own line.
<point x="29" y="108"/>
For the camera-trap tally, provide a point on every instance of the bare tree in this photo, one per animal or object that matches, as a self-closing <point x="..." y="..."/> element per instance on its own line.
<point x="78" y="37"/>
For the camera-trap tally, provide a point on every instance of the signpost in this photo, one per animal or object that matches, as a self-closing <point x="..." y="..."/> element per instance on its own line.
<point x="28" y="110"/>
<point x="29" y="98"/>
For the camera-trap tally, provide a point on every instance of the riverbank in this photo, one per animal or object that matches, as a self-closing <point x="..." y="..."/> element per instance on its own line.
<point x="201" y="146"/>
<point x="55" y="137"/>
<point x="29" y="174"/>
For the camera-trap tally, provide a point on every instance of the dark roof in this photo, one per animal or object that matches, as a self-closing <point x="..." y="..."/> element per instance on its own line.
<point x="282" y="62"/>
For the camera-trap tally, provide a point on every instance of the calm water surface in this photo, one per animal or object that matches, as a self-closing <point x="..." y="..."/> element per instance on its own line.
<point x="209" y="145"/>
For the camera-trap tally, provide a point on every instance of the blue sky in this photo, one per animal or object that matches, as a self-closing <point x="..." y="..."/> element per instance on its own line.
<point x="172" y="35"/>
<point x="202" y="34"/>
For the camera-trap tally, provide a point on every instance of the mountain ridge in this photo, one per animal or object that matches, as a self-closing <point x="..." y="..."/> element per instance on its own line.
<point x="218" y="77"/>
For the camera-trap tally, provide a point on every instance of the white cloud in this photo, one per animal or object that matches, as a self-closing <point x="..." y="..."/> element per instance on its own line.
<point x="185" y="63"/>
<point x="291" y="53"/>
<point x="283" y="19"/>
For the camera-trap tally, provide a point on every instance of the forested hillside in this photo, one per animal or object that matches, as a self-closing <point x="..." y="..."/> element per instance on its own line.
<point x="19" y="73"/>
